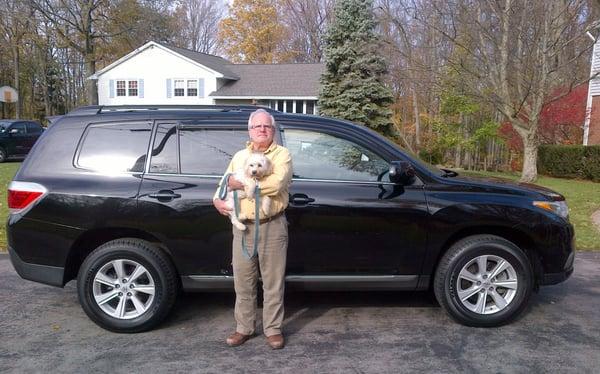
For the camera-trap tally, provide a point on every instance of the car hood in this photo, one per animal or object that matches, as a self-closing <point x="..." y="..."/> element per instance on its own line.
<point x="502" y="185"/>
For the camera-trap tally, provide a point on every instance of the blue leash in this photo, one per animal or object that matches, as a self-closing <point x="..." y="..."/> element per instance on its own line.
<point x="236" y="204"/>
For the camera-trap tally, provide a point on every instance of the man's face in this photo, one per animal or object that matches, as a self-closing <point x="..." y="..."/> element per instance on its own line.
<point x="261" y="130"/>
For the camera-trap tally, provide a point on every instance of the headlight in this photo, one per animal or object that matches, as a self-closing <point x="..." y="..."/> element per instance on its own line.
<point x="557" y="207"/>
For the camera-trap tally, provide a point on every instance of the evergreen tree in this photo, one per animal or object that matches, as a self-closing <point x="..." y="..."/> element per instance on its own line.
<point x="352" y="85"/>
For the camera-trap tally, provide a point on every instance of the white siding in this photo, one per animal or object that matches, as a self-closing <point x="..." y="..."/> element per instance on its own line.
<point x="155" y="65"/>
<point x="595" y="82"/>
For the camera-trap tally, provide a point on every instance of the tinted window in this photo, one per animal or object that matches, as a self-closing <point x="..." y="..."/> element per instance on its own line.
<point x="322" y="156"/>
<point x="208" y="151"/>
<point x="115" y="148"/>
<point x="164" y="149"/>
<point x="33" y="128"/>
<point x="20" y="127"/>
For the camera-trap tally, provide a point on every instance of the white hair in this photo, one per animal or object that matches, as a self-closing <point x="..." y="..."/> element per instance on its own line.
<point x="257" y="111"/>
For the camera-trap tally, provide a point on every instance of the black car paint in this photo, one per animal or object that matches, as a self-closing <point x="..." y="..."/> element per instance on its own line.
<point x="350" y="229"/>
<point x="18" y="144"/>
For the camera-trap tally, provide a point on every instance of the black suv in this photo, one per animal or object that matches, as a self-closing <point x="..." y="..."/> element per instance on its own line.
<point x="121" y="199"/>
<point x="17" y="137"/>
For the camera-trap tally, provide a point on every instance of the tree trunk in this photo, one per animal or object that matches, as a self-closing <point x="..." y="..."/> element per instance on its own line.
<point x="17" y="73"/>
<point x="417" y="120"/>
<point x="530" y="148"/>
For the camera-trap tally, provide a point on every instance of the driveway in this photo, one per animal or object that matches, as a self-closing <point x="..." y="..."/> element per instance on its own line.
<point x="43" y="329"/>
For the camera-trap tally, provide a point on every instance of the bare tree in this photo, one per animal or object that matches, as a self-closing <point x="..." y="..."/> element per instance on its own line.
<point x="200" y="20"/>
<point x="520" y="53"/>
<point x="306" y="21"/>
<point x="14" y="25"/>
<point x="76" y="21"/>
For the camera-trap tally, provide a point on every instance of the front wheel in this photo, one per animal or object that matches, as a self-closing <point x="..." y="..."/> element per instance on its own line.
<point x="127" y="285"/>
<point x="483" y="281"/>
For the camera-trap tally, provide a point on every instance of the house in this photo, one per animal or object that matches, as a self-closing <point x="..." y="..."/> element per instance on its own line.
<point x="159" y="74"/>
<point x="591" y="126"/>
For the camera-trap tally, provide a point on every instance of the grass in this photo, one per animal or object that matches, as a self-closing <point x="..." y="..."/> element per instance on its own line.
<point x="583" y="198"/>
<point x="7" y="172"/>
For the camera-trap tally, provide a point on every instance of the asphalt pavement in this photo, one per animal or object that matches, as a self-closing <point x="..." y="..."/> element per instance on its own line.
<point x="43" y="329"/>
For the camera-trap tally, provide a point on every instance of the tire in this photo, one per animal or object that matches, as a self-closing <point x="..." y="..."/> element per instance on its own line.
<point x="117" y="303"/>
<point x="497" y="298"/>
<point x="3" y="155"/>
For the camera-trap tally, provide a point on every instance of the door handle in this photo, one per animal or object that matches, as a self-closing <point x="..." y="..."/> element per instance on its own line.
<point x="301" y="199"/>
<point x="164" y="195"/>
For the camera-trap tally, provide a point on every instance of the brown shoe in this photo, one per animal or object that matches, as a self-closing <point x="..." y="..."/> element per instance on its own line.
<point x="236" y="339"/>
<point x="276" y="341"/>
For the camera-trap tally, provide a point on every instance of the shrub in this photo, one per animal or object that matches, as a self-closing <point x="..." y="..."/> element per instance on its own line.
<point x="570" y="161"/>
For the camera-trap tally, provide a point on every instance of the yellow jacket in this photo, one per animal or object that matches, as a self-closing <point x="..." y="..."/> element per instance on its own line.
<point x="275" y="185"/>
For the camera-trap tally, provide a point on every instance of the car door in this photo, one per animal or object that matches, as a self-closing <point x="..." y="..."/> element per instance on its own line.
<point x="17" y="141"/>
<point x="345" y="217"/>
<point x="34" y="130"/>
<point x="175" y="200"/>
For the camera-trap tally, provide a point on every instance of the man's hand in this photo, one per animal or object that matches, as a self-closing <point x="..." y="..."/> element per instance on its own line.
<point x="234" y="184"/>
<point x="221" y="207"/>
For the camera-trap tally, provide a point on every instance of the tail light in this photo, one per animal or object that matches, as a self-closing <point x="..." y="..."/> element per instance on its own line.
<point x="23" y="195"/>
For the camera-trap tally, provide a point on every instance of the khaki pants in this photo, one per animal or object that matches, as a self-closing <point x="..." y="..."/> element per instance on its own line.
<point x="272" y="251"/>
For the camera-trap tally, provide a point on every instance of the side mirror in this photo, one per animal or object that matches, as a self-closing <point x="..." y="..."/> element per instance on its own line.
<point x="402" y="172"/>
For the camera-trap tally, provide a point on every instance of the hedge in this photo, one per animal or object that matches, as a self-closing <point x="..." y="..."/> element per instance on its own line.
<point x="570" y="161"/>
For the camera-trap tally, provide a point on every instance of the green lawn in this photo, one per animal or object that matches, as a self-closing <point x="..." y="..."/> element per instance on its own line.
<point x="583" y="198"/>
<point x="7" y="172"/>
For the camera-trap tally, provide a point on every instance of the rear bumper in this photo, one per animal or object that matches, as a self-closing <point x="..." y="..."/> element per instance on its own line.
<point x="555" y="278"/>
<point x="51" y="275"/>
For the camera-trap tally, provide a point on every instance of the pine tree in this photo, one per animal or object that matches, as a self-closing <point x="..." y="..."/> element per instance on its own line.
<point x="352" y="85"/>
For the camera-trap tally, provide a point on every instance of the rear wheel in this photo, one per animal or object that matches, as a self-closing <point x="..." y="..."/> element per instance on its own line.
<point x="3" y="155"/>
<point x="484" y="280"/>
<point x="127" y="285"/>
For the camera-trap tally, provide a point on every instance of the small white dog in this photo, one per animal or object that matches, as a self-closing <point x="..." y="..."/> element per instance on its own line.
<point x="256" y="166"/>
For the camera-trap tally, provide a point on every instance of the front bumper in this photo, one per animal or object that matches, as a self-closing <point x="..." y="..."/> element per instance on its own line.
<point x="51" y="275"/>
<point x="555" y="278"/>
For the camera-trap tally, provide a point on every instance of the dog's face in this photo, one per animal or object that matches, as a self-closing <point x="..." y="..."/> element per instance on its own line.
<point x="257" y="166"/>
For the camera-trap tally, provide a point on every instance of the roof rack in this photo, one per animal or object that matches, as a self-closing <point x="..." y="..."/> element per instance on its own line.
<point x="98" y="109"/>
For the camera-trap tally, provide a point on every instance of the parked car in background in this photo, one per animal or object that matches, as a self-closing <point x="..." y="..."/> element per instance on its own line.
<point x="17" y="137"/>
<point x="120" y="198"/>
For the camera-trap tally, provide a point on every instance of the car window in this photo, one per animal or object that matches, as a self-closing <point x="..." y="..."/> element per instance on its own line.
<point x="33" y="128"/>
<point x="164" y="149"/>
<point x="203" y="151"/>
<point x="115" y="148"/>
<point x="209" y="151"/>
<point x="20" y="127"/>
<point x="317" y="155"/>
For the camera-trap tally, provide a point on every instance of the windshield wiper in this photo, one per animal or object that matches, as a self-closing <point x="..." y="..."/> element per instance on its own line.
<point x="449" y="173"/>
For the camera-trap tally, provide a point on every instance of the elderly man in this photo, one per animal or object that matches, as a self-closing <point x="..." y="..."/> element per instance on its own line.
<point x="272" y="237"/>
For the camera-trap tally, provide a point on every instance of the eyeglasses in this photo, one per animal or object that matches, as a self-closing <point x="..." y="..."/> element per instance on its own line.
<point x="265" y="127"/>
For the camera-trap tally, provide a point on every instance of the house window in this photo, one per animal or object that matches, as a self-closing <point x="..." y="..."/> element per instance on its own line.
<point x="192" y="87"/>
<point x="179" y="88"/>
<point x="121" y="88"/>
<point x="299" y="106"/>
<point x="289" y="106"/>
<point x="133" y="88"/>
<point x="280" y="105"/>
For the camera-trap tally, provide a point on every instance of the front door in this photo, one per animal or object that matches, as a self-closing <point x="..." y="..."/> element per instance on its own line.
<point x="345" y="217"/>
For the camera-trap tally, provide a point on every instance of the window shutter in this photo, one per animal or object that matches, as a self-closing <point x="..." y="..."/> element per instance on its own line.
<point x="141" y="88"/>
<point x="111" y="88"/>
<point x="200" y="87"/>
<point x="169" y="88"/>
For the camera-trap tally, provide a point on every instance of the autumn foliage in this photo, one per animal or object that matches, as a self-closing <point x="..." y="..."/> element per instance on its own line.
<point x="560" y="122"/>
